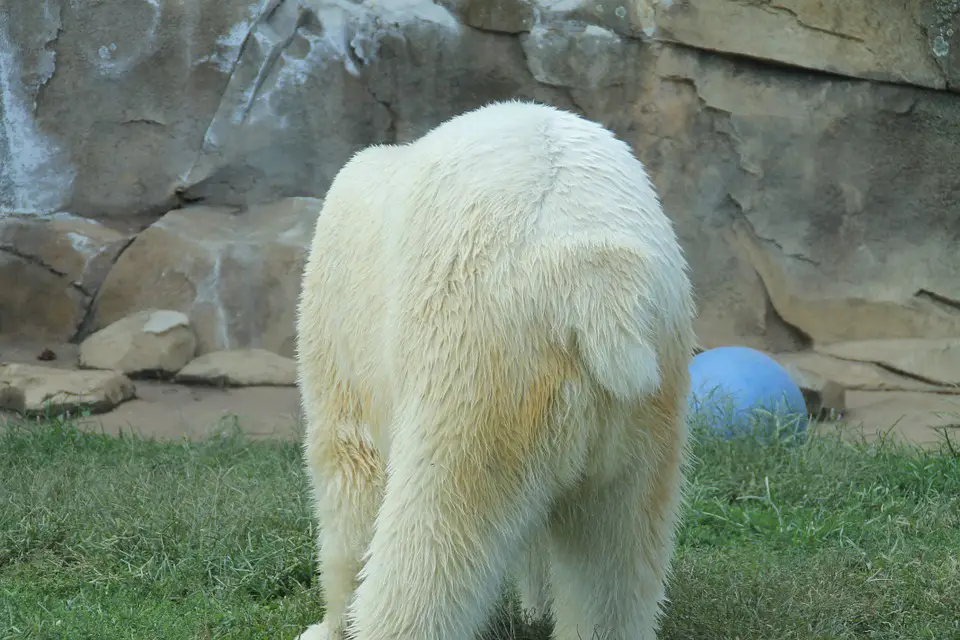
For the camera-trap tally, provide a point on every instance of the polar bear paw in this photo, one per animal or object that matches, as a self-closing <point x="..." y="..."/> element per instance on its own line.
<point x="320" y="631"/>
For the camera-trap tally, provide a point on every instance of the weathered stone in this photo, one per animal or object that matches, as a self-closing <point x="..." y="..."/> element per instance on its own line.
<point x="396" y="70"/>
<point x="789" y="189"/>
<point x="50" y="266"/>
<point x="36" y="389"/>
<point x="240" y="368"/>
<point x="633" y="18"/>
<point x="581" y="56"/>
<point x="236" y="274"/>
<point x="911" y="43"/>
<point x="907" y="42"/>
<point x="150" y="342"/>
<point x="454" y="72"/>
<point x="104" y="107"/>
<point x="506" y="16"/>
<point x="812" y="178"/>
<point x="278" y="130"/>
<point x="855" y="376"/>
<point x="933" y="361"/>
<point x="901" y="416"/>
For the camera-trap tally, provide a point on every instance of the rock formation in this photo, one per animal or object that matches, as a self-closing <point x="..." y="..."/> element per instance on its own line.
<point x="168" y="154"/>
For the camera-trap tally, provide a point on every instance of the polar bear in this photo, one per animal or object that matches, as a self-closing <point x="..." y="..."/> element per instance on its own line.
<point x="493" y="336"/>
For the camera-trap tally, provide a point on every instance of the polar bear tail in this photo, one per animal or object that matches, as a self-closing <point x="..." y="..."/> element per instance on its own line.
<point x="622" y="362"/>
<point x="619" y="352"/>
<point x="620" y="319"/>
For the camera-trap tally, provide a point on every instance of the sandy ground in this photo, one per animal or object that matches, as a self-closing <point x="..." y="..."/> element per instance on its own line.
<point x="170" y="411"/>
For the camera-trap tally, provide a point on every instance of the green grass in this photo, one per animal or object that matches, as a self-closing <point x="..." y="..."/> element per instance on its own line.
<point x="106" y="538"/>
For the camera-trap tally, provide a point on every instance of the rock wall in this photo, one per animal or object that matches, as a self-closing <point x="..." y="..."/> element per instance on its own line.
<point x="167" y="154"/>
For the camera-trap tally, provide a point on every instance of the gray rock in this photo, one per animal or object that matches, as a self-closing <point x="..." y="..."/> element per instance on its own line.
<point x="105" y="106"/>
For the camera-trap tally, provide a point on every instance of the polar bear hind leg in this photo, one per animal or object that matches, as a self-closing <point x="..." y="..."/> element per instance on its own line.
<point x="532" y="577"/>
<point x="472" y="477"/>
<point x="347" y="474"/>
<point x="610" y="547"/>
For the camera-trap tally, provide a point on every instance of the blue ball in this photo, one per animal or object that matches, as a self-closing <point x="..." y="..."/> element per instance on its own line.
<point x="728" y="386"/>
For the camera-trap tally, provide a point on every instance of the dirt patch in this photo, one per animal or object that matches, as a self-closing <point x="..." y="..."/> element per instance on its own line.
<point x="167" y="410"/>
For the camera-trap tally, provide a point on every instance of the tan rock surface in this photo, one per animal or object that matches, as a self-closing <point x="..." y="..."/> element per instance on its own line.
<point x="50" y="267"/>
<point x="236" y="274"/>
<point x="889" y="41"/>
<point x="933" y="361"/>
<point x="24" y="351"/>
<point x="814" y="207"/>
<point x="911" y="43"/>
<point x="851" y="374"/>
<point x="153" y="341"/>
<point x="240" y="368"/>
<point x="36" y="389"/>
<point x="813" y="200"/>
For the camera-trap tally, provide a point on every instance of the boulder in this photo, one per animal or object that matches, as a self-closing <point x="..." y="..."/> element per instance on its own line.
<point x="240" y="368"/>
<point x="33" y="389"/>
<point x="910" y="43"/>
<point x="320" y="79"/>
<point x="235" y="273"/>
<point x="147" y="343"/>
<point x="50" y="267"/>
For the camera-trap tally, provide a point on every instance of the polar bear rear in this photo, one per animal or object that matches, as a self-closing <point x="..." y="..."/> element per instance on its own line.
<point x="494" y="330"/>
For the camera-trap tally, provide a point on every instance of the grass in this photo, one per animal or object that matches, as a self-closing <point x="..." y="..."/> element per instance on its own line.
<point x="107" y="538"/>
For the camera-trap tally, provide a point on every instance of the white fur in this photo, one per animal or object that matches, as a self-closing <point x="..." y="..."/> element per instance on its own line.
<point x="493" y="338"/>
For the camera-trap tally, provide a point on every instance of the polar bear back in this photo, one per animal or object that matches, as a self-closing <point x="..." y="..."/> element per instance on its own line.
<point x="518" y="230"/>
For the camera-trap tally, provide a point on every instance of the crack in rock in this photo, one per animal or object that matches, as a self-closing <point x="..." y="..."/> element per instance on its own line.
<point x="37" y="262"/>
<point x="779" y="8"/>
<point x="267" y="10"/>
<point x="945" y="386"/>
<point x="83" y="328"/>
<point x="273" y="56"/>
<point x="33" y="260"/>
<point x="756" y="235"/>
<point x="939" y="300"/>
